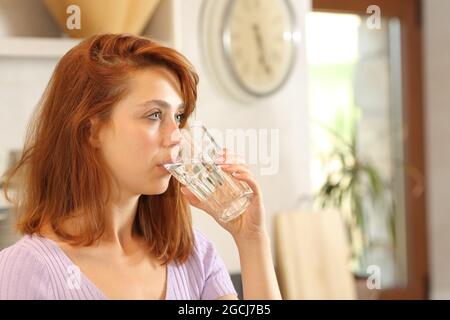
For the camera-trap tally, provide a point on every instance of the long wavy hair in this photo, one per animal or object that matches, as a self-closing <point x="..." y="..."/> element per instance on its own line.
<point x="59" y="173"/>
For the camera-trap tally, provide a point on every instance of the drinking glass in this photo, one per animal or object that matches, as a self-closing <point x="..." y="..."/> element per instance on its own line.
<point x="195" y="165"/>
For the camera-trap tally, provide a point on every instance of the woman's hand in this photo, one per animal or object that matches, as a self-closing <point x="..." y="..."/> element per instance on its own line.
<point x="250" y="225"/>
<point x="250" y="234"/>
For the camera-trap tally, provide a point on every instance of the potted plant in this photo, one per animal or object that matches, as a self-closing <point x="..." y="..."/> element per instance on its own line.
<point x="352" y="184"/>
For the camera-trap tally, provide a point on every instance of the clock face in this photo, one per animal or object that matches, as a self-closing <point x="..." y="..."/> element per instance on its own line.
<point x="259" y="43"/>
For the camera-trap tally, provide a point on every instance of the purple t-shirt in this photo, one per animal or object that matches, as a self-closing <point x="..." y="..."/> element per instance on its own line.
<point x="36" y="268"/>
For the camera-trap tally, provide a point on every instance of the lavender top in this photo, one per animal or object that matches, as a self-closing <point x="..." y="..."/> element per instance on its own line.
<point x="36" y="268"/>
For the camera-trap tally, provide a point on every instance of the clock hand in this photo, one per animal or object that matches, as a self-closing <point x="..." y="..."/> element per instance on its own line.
<point x="262" y="57"/>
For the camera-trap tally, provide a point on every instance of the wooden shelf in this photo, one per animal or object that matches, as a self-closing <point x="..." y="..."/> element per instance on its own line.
<point x="163" y="27"/>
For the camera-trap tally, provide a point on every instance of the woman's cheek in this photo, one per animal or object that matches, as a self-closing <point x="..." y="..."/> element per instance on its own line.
<point x="145" y="143"/>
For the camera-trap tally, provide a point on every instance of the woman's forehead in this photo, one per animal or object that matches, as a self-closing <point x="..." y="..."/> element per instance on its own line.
<point x="148" y="85"/>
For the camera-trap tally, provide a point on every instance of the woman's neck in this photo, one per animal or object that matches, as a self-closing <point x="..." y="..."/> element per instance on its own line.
<point x="119" y="223"/>
<point x="119" y="220"/>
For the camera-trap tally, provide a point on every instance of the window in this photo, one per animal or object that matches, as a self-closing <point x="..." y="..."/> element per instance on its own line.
<point x="367" y="134"/>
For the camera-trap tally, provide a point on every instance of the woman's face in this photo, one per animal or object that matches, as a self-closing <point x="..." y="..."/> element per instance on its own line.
<point x="143" y="132"/>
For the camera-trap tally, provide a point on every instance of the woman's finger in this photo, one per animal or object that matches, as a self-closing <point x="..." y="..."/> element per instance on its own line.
<point x="230" y="157"/>
<point x="231" y="160"/>
<point x="242" y="172"/>
<point x="249" y="179"/>
<point x="235" y="168"/>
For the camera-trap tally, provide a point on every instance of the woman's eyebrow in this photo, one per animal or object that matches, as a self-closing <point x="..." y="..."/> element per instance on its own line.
<point x="159" y="103"/>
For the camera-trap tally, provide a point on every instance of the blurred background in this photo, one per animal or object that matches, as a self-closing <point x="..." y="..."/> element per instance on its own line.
<point x="354" y="96"/>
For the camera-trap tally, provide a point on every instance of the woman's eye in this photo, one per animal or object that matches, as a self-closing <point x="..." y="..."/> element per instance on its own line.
<point x="180" y="117"/>
<point x="155" y="116"/>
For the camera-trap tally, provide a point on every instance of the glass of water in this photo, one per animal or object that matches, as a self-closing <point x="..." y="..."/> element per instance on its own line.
<point x="195" y="165"/>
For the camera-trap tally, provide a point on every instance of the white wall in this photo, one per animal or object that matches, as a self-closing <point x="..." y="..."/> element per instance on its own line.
<point x="287" y="111"/>
<point x="437" y="112"/>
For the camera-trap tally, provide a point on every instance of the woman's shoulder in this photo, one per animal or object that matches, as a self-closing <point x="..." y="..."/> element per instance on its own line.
<point x="25" y="249"/>
<point x="205" y="252"/>
<point x="210" y="268"/>
<point x="23" y="266"/>
<point x="202" y="245"/>
<point x="32" y="251"/>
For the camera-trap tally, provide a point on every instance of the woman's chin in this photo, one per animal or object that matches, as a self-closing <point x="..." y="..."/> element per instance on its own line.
<point x="158" y="186"/>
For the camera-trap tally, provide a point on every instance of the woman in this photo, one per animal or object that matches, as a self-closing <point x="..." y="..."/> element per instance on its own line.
<point x="101" y="218"/>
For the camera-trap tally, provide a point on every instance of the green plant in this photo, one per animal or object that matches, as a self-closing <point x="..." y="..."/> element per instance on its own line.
<point x="350" y="183"/>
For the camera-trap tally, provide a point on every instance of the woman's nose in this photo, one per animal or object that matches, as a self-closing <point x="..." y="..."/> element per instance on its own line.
<point x="172" y="137"/>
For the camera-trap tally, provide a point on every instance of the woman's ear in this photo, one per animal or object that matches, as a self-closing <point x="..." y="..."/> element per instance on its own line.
<point x="94" y="129"/>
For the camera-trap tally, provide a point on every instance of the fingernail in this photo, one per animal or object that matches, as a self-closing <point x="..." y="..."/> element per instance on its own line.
<point x="183" y="190"/>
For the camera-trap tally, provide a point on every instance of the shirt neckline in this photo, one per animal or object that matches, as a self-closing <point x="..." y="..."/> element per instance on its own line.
<point x="90" y="282"/>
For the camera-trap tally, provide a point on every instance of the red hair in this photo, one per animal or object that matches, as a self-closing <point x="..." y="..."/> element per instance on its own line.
<point x="60" y="174"/>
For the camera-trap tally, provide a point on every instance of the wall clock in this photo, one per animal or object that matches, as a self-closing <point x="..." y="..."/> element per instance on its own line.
<point x="249" y="45"/>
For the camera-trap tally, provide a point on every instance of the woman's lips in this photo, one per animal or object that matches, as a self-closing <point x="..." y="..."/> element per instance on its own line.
<point x="161" y="168"/>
